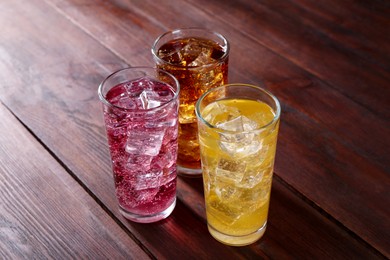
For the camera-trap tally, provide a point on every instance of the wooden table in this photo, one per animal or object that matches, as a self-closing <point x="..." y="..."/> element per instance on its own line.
<point x="328" y="61"/>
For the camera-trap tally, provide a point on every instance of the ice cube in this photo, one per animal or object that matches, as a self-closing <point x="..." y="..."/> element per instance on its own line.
<point x="124" y="100"/>
<point x="212" y="112"/>
<point x="210" y="78"/>
<point x="264" y="118"/>
<point x="256" y="176"/>
<point x="240" y="144"/>
<point x="237" y="123"/>
<point x="149" y="99"/>
<point x="171" y="55"/>
<point x="133" y="88"/>
<point x="139" y="161"/>
<point x="201" y="60"/>
<point x="130" y="198"/>
<point x="150" y="179"/>
<point x="163" y="91"/>
<point x="144" y="93"/>
<point x="146" y="195"/>
<point x="263" y="155"/>
<point x="234" y="124"/>
<point x="190" y="51"/>
<point x="225" y="213"/>
<point x="230" y="171"/>
<point x="165" y="159"/>
<point x="226" y="192"/>
<point x="232" y="144"/>
<point x="142" y="142"/>
<point x="154" y="94"/>
<point x="169" y="174"/>
<point x="232" y="112"/>
<point x="205" y="50"/>
<point x="247" y="124"/>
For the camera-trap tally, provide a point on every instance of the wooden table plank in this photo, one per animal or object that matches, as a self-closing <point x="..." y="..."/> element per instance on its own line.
<point x="294" y="230"/>
<point x="294" y="86"/>
<point x="290" y="36"/>
<point x="329" y="152"/>
<point x="354" y="32"/>
<point x="281" y="34"/>
<point x="64" y="94"/>
<point x="44" y="213"/>
<point x="64" y="112"/>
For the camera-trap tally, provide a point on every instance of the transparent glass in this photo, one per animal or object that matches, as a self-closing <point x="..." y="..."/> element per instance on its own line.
<point x="140" y="107"/>
<point x="238" y="127"/>
<point x="198" y="58"/>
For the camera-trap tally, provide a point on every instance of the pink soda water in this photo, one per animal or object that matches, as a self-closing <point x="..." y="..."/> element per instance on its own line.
<point x="142" y="131"/>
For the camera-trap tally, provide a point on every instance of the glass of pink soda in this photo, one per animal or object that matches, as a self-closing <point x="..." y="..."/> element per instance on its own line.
<point x="140" y="107"/>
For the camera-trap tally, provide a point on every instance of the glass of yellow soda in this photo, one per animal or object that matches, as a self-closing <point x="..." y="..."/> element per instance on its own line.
<point x="237" y="129"/>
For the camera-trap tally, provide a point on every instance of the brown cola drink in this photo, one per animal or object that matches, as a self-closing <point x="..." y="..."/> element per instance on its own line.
<point x="198" y="58"/>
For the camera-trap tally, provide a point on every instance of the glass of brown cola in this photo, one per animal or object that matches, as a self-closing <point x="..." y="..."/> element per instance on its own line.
<point x="198" y="58"/>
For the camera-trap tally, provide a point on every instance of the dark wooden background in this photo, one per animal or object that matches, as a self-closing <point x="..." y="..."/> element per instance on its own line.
<point x="327" y="61"/>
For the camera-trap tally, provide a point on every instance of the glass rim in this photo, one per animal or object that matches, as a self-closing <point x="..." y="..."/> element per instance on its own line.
<point x="140" y="68"/>
<point x="175" y="31"/>
<point x="260" y="128"/>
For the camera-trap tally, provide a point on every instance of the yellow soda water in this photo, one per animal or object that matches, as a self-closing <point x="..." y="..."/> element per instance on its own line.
<point x="238" y="145"/>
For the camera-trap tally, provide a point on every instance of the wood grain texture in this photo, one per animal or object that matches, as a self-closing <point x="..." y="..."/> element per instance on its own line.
<point x="64" y="112"/>
<point x="294" y="229"/>
<point x="44" y="213"/>
<point x="332" y="140"/>
<point x="281" y="28"/>
<point x="330" y="167"/>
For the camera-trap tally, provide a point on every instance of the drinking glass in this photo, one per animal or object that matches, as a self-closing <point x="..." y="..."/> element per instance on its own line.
<point x="198" y="58"/>
<point x="238" y="127"/>
<point x="140" y="107"/>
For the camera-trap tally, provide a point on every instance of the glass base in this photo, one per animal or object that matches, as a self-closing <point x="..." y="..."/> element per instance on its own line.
<point x="148" y="218"/>
<point x="189" y="172"/>
<point x="237" y="240"/>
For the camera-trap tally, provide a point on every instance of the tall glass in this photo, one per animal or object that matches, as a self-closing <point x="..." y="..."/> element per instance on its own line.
<point x="140" y="107"/>
<point x="238" y="127"/>
<point x="198" y="58"/>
